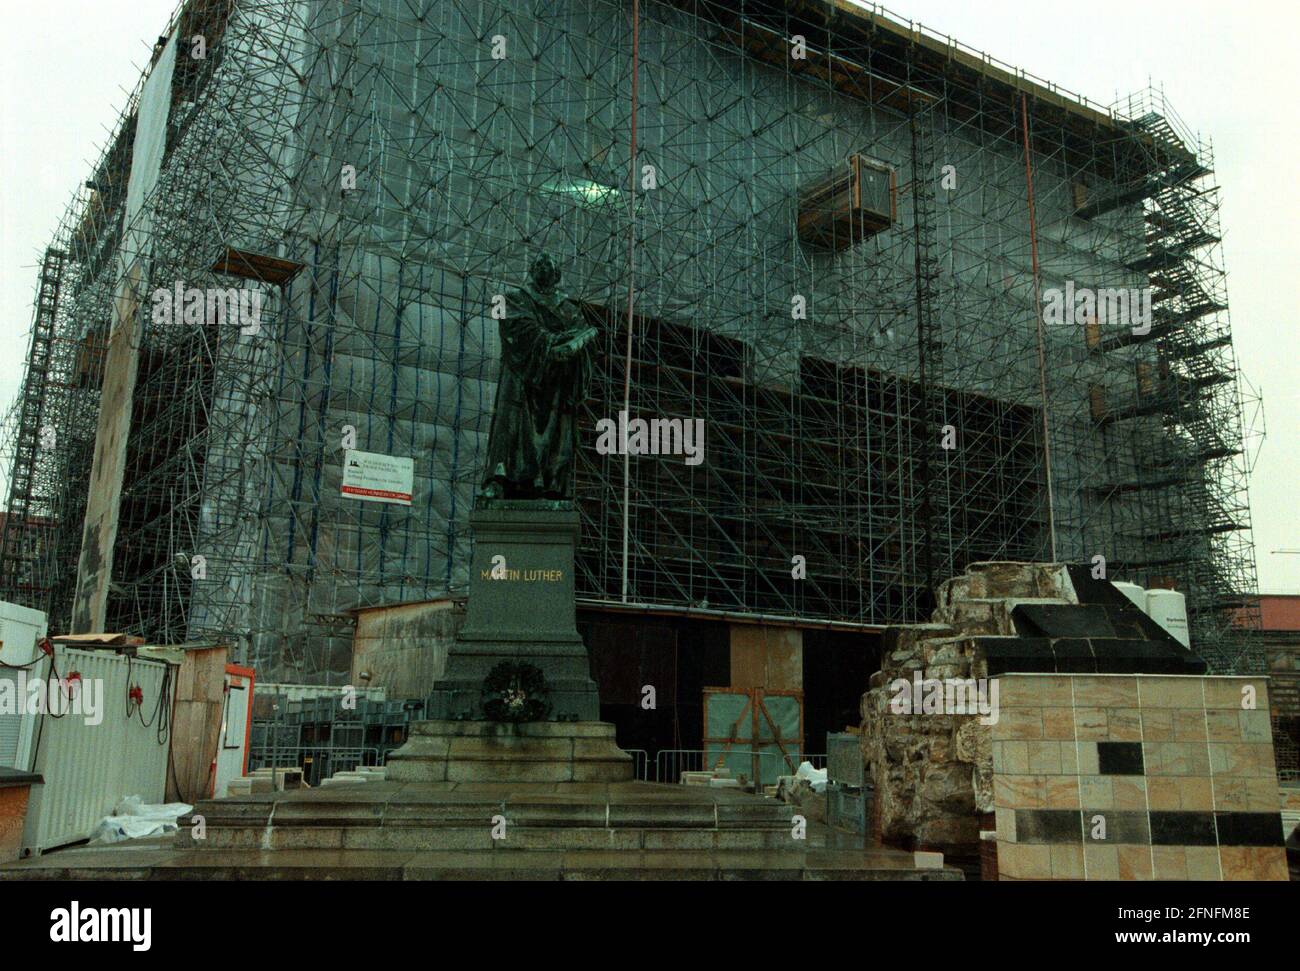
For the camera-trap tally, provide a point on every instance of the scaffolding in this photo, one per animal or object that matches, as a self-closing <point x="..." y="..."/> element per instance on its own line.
<point x="381" y="169"/>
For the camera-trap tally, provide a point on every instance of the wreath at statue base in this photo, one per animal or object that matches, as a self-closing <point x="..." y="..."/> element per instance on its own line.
<point x="515" y="692"/>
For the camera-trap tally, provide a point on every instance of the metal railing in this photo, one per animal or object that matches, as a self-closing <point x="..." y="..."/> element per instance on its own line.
<point x="323" y="760"/>
<point x="641" y="763"/>
<point x="317" y="762"/>
<point x="671" y="763"/>
<point x="919" y="29"/>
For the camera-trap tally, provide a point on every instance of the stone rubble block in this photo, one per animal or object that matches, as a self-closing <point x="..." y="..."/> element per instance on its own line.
<point x="934" y="773"/>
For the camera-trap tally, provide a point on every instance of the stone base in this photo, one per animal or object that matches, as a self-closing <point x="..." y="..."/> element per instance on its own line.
<point x="490" y="831"/>
<point x="463" y="695"/>
<point x="520" y="609"/>
<point x="391" y="830"/>
<point x="468" y="751"/>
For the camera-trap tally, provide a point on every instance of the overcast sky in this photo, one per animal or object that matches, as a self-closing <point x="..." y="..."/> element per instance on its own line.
<point x="67" y="67"/>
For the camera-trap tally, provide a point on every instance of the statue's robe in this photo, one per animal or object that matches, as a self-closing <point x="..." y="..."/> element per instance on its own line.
<point x="534" y="432"/>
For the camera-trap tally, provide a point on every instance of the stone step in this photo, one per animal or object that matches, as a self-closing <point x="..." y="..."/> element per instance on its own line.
<point x="574" y="831"/>
<point x="479" y="837"/>
<point x="533" y="752"/>
<point x="397" y="816"/>
<point x="151" y="859"/>
<point x="661" y="813"/>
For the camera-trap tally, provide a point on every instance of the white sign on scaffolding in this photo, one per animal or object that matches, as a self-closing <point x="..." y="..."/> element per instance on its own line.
<point x="373" y="477"/>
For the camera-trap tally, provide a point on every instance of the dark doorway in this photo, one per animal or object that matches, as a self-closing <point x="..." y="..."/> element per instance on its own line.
<point x="677" y="657"/>
<point x="836" y="667"/>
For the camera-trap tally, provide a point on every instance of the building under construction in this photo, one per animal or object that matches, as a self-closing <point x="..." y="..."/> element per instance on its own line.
<point x="827" y="232"/>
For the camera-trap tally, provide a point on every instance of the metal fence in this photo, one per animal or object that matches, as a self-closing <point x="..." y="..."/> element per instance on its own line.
<point x="671" y="763"/>
<point x="317" y="764"/>
<point x="641" y="763"/>
<point x="321" y="736"/>
<point x="321" y="760"/>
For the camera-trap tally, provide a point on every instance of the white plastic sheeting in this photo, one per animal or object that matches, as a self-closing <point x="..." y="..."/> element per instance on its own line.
<point x="814" y="777"/>
<point x="135" y="819"/>
<point x="147" y="152"/>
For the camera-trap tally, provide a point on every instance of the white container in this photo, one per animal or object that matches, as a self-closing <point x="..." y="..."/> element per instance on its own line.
<point x="21" y="629"/>
<point x="1135" y="594"/>
<point x="89" y="768"/>
<point x="1168" y="608"/>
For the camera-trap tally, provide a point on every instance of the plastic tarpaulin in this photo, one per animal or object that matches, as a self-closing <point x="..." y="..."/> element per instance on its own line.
<point x="753" y="733"/>
<point x="133" y="819"/>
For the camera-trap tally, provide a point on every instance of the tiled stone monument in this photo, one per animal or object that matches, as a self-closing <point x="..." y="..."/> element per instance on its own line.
<point x="1108" y="752"/>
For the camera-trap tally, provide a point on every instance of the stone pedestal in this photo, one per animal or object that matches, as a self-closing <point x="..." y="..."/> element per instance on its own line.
<point x="468" y="751"/>
<point x="520" y="608"/>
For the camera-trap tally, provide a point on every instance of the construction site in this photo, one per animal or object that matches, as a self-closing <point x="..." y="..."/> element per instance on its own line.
<point x="824" y="230"/>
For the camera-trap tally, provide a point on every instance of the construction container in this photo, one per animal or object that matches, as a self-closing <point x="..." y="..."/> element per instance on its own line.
<point x="853" y="202"/>
<point x="90" y="760"/>
<point x="21" y="630"/>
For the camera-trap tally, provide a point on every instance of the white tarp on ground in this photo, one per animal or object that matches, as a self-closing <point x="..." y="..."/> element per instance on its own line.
<point x="816" y="778"/>
<point x="133" y="819"/>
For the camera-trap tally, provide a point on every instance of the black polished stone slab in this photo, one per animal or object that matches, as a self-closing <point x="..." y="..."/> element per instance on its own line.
<point x="1119" y="758"/>
<point x="1090" y="591"/>
<point x="1124" y="615"/>
<point x="1250" y="829"/>
<point x="1130" y="828"/>
<point x="1061" y="620"/>
<point x="1049" y="826"/>
<point x="1017" y="655"/>
<point x="1126" y="656"/>
<point x="1126" y="621"/>
<point x="1183" y="829"/>
<point x="1086" y="655"/>
<point x="1074" y="655"/>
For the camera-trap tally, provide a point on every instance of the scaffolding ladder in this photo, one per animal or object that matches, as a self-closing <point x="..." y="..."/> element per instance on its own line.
<point x="17" y="547"/>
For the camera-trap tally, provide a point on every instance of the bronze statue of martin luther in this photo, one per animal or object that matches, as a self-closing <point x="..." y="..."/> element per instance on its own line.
<point x="546" y="365"/>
